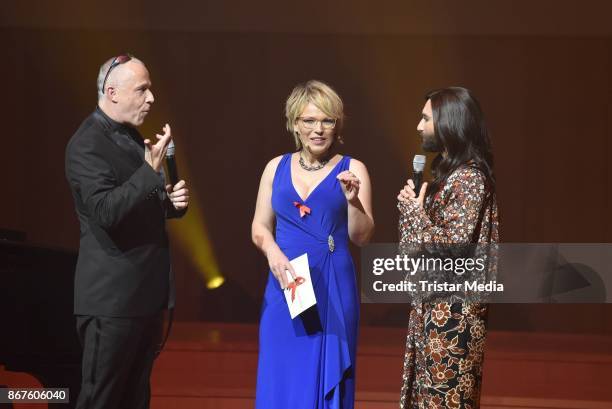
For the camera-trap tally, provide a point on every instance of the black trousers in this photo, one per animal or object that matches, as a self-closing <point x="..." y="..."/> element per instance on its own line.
<point x="118" y="355"/>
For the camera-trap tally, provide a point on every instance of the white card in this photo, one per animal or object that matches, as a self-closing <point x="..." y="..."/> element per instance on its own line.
<point x="300" y="295"/>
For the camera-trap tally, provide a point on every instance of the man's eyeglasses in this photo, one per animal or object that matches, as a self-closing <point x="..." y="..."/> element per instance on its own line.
<point x="311" y="123"/>
<point x="120" y="59"/>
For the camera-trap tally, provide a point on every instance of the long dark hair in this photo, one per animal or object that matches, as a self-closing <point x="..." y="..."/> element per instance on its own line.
<point x="460" y="127"/>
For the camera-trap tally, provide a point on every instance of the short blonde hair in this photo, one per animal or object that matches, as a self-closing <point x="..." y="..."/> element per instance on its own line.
<point x="323" y="97"/>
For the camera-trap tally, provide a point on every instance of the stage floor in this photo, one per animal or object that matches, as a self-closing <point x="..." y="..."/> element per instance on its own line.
<point x="210" y="365"/>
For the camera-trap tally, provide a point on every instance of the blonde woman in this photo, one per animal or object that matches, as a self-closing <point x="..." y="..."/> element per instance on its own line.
<point x="311" y="201"/>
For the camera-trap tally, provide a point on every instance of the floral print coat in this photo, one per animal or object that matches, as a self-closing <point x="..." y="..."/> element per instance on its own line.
<point x="445" y="342"/>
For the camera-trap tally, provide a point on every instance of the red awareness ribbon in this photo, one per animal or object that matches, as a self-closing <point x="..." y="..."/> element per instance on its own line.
<point x="294" y="285"/>
<point x="304" y="210"/>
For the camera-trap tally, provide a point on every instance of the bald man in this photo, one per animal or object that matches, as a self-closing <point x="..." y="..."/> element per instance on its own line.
<point x="123" y="279"/>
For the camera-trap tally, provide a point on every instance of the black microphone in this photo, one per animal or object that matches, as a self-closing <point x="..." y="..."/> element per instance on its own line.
<point x="171" y="165"/>
<point x="418" y="165"/>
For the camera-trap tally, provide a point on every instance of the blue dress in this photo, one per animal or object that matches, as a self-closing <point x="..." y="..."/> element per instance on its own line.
<point x="309" y="362"/>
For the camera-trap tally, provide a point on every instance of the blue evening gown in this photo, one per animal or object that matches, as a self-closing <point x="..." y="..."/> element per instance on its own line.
<point x="309" y="362"/>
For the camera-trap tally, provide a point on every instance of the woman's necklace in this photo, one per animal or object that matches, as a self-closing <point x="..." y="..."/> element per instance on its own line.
<point x="309" y="168"/>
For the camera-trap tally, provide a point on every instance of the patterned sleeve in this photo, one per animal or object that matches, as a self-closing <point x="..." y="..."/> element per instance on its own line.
<point x="462" y="197"/>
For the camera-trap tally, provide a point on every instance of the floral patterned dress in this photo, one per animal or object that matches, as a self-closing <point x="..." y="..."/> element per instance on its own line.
<point x="445" y="342"/>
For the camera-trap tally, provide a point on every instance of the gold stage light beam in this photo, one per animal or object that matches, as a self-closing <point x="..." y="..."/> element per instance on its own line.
<point x="192" y="234"/>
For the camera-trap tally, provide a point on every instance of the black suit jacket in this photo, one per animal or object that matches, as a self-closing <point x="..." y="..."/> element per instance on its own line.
<point x="123" y="268"/>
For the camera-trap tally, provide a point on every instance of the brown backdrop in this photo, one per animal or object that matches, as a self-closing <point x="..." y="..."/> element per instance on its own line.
<point x="221" y="75"/>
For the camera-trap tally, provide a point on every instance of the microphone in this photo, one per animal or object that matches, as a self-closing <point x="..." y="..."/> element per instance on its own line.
<point x="418" y="165"/>
<point x="171" y="164"/>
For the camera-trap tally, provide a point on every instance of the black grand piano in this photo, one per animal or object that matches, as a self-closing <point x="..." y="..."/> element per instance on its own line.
<point x="37" y="325"/>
